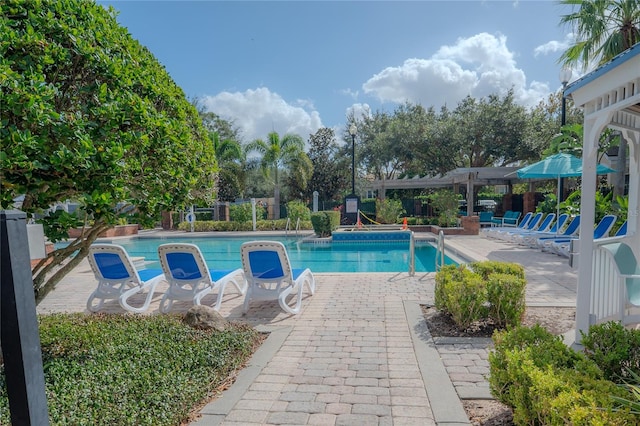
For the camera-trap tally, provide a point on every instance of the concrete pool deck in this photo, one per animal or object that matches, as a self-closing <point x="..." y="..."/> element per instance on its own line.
<point x="359" y="352"/>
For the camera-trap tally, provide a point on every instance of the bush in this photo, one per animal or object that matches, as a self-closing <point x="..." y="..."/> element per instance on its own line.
<point x="244" y="212"/>
<point x="506" y="297"/>
<point x="466" y="300"/>
<point x="298" y="210"/>
<point x="388" y="211"/>
<point x="325" y="222"/>
<point x="489" y="290"/>
<point x="488" y="267"/>
<point x="445" y="203"/>
<point x="545" y="382"/>
<point x="615" y="349"/>
<point x="221" y="225"/>
<point x="446" y="275"/>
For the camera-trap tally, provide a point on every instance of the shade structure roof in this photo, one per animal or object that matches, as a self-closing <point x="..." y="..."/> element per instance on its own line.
<point x="557" y="165"/>
<point x="461" y="175"/>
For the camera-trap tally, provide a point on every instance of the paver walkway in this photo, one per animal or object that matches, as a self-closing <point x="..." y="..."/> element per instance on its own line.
<point x="359" y="352"/>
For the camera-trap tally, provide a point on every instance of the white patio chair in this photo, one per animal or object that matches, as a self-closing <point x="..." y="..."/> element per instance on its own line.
<point x="189" y="277"/>
<point x="270" y="276"/>
<point x="119" y="279"/>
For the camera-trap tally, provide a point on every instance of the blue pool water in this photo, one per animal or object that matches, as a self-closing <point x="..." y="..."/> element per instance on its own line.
<point x="224" y="253"/>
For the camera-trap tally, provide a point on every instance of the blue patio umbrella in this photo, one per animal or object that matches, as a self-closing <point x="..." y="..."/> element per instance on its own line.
<point x="557" y="166"/>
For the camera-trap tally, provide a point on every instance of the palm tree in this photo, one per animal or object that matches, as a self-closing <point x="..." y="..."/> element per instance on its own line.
<point x="602" y="30"/>
<point x="230" y="157"/>
<point x="282" y="153"/>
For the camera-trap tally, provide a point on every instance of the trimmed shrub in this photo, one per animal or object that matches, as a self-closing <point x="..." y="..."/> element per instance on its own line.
<point x="489" y="290"/>
<point x="615" y="349"/>
<point x="506" y="297"/>
<point x="220" y="225"/>
<point x="388" y="211"/>
<point x="466" y="300"/>
<point x="325" y="222"/>
<point x="241" y="212"/>
<point x="298" y="210"/>
<point x="446" y="275"/>
<point x="488" y="267"/>
<point x="545" y="382"/>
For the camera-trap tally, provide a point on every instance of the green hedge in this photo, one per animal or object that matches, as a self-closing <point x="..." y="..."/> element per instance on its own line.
<point x="325" y="222"/>
<point x="615" y="349"/>
<point x="547" y="383"/>
<point x="261" y="225"/>
<point x="482" y="290"/>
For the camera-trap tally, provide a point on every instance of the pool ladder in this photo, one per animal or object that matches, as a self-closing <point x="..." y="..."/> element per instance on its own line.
<point x="412" y="255"/>
<point x="287" y="228"/>
<point x="440" y="251"/>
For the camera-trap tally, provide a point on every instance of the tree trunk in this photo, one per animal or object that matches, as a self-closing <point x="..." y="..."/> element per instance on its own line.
<point x="276" y="202"/>
<point x="621" y="169"/>
<point x="43" y="281"/>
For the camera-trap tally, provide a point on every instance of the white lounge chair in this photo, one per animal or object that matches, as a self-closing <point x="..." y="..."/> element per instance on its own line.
<point x="119" y="279"/>
<point x="529" y="238"/>
<point x="532" y="225"/>
<point x="189" y="277"/>
<point x="270" y="276"/>
<point x="570" y="231"/>
<point x="493" y="231"/>
<point x="545" y="226"/>
<point x="562" y="246"/>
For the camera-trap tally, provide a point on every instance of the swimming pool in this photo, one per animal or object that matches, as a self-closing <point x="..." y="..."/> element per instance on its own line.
<point x="367" y="256"/>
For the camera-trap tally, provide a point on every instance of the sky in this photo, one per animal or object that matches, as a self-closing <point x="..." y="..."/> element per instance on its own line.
<point x="297" y="66"/>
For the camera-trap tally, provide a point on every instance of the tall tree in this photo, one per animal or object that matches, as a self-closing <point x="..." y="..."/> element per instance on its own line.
<point x="89" y="115"/>
<point x="231" y="159"/>
<point x="603" y="29"/>
<point x="491" y="130"/>
<point x="373" y="148"/>
<point x="330" y="178"/>
<point x="279" y="155"/>
<point x="231" y="180"/>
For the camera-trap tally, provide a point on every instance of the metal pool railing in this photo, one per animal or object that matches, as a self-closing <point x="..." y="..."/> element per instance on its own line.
<point x="440" y="251"/>
<point x="412" y="255"/>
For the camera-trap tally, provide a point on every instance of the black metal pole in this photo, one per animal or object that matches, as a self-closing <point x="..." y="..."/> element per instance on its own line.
<point x="19" y="336"/>
<point x="563" y="117"/>
<point x="353" y="164"/>
<point x="563" y="121"/>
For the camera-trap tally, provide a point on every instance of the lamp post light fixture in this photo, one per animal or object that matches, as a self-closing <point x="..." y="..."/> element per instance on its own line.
<point x="351" y="201"/>
<point x="353" y="130"/>
<point x="565" y="76"/>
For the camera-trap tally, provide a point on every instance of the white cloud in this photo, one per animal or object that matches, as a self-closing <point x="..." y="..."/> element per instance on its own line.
<point x="260" y="111"/>
<point x="549" y="47"/>
<point x="358" y="111"/>
<point x="554" y="46"/>
<point x="476" y="66"/>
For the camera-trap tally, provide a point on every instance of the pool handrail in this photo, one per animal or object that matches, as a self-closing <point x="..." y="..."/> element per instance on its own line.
<point x="440" y="251"/>
<point x="412" y="255"/>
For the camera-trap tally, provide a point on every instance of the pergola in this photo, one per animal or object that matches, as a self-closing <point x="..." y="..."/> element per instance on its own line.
<point x="468" y="176"/>
<point x="609" y="97"/>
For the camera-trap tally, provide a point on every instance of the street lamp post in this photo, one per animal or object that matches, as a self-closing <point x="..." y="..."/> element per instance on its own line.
<point x="352" y="131"/>
<point x="565" y="76"/>
<point x="351" y="201"/>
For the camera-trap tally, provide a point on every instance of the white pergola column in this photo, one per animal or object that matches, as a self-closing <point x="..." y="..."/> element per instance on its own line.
<point x="592" y="130"/>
